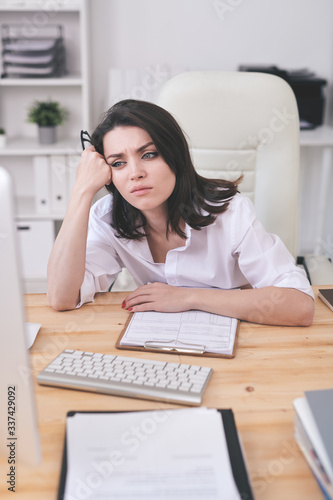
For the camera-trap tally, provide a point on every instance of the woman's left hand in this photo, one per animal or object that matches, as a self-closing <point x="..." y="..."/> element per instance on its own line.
<point x="157" y="297"/>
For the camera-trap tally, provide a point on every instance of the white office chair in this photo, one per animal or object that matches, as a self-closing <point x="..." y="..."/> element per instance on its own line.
<point x="238" y="122"/>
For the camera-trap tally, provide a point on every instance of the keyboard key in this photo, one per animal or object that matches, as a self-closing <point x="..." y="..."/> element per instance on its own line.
<point x="196" y="388"/>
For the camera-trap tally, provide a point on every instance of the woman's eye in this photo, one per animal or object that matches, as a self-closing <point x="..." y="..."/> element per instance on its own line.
<point x="117" y="164"/>
<point x="149" y="155"/>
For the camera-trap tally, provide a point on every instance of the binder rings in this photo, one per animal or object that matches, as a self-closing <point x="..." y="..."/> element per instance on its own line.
<point x="237" y="462"/>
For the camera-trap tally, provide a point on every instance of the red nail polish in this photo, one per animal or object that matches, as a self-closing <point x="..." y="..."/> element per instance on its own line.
<point x="130" y="308"/>
<point x="123" y="304"/>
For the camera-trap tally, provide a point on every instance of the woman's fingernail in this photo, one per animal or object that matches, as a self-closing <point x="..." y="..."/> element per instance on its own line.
<point x="123" y="304"/>
<point x="130" y="308"/>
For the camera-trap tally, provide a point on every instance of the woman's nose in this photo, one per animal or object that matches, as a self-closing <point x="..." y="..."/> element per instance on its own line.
<point x="136" y="172"/>
<point x="136" y="176"/>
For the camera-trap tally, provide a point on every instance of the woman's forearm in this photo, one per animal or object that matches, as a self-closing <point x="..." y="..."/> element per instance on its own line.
<point x="270" y="305"/>
<point x="66" y="265"/>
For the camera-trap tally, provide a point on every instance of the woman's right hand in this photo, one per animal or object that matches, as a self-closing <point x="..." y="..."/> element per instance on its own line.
<point x="93" y="172"/>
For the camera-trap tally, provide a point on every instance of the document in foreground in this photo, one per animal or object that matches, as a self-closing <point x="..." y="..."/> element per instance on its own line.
<point x="150" y="455"/>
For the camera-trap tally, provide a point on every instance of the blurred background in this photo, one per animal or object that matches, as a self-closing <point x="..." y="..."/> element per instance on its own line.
<point x="106" y="50"/>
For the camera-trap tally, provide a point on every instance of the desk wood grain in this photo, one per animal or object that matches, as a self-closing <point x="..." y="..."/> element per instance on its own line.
<point x="272" y="367"/>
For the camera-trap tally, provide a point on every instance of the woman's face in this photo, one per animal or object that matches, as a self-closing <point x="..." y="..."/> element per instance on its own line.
<point x="138" y="171"/>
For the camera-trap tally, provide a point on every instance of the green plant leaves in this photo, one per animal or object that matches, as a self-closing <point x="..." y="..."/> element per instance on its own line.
<point x="47" y="113"/>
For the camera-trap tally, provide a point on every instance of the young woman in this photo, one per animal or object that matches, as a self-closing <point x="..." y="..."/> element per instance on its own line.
<point x="189" y="242"/>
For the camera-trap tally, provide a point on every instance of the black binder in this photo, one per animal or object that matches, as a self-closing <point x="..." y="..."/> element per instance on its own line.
<point x="235" y="453"/>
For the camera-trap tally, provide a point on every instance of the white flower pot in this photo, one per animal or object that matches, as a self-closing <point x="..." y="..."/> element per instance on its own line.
<point x="47" y="135"/>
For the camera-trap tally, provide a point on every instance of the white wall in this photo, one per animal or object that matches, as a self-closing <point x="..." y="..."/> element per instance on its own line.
<point x="197" y="34"/>
<point x="161" y="36"/>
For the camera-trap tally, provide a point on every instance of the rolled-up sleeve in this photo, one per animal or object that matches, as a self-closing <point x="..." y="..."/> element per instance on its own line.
<point x="262" y="257"/>
<point x="102" y="262"/>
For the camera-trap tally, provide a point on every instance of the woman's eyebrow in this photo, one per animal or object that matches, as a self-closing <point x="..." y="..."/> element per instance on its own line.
<point x="141" y="148"/>
<point x="144" y="146"/>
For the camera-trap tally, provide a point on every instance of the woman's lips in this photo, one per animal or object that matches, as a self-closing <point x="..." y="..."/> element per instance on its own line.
<point x="140" y="191"/>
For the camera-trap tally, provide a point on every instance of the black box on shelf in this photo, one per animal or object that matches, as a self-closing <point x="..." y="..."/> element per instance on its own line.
<point x="308" y="90"/>
<point x="32" y="57"/>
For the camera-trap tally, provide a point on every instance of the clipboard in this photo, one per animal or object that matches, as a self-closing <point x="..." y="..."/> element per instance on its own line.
<point x="182" y="348"/>
<point x="237" y="461"/>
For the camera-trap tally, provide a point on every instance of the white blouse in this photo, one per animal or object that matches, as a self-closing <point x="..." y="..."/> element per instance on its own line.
<point x="233" y="252"/>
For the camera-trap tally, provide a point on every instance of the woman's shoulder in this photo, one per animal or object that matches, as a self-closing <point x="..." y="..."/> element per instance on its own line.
<point x="240" y="205"/>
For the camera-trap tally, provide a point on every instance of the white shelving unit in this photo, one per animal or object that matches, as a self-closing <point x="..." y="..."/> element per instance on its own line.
<point x="38" y="226"/>
<point x="317" y="167"/>
<point x="319" y="137"/>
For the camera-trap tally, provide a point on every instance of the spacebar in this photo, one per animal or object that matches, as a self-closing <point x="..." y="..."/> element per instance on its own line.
<point x="117" y="388"/>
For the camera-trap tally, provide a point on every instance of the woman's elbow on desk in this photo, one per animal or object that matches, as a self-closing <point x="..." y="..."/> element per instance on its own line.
<point x="60" y="303"/>
<point x="287" y="307"/>
<point x="306" y="310"/>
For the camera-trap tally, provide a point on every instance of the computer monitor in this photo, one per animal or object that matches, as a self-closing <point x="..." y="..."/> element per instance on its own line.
<point x="18" y="421"/>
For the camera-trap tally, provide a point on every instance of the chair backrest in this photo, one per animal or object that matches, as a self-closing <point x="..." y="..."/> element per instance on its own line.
<point x="239" y="122"/>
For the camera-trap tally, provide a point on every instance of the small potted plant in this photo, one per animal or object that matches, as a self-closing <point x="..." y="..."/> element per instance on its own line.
<point x="3" y="137"/>
<point x="47" y="115"/>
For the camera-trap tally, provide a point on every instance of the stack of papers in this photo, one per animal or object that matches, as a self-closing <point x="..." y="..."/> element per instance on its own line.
<point x="32" y="57"/>
<point x="313" y="432"/>
<point x="171" y="454"/>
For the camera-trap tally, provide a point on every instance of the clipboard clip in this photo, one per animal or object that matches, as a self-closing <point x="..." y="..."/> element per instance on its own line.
<point x="164" y="345"/>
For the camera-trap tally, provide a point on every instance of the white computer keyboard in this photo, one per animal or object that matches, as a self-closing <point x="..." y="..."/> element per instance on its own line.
<point x="127" y="376"/>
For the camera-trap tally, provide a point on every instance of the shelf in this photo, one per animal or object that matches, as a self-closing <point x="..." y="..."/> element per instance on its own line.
<point x="64" y="81"/>
<point x="25" y="210"/>
<point x="65" y="6"/>
<point x="31" y="147"/>
<point x="321" y="136"/>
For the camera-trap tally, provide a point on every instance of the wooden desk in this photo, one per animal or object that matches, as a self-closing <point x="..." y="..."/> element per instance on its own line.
<point x="272" y="367"/>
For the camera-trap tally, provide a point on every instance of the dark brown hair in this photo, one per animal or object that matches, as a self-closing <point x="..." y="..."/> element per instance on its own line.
<point x="195" y="199"/>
